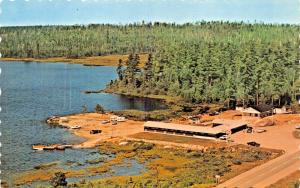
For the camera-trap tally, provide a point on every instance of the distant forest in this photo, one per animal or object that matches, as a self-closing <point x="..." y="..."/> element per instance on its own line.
<point x="201" y="62"/>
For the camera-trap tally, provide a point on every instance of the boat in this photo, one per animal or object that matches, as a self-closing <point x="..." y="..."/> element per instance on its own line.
<point x="75" y="127"/>
<point x="60" y="147"/>
<point x="49" y="147"/>
<point x="38" y="147"/>
<point x="41" y="147"/>
<point x="68" y="146"/>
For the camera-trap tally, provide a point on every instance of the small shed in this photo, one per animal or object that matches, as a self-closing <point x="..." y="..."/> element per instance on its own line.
<point x="261" y="110"/>
<point x="282" y="110"/>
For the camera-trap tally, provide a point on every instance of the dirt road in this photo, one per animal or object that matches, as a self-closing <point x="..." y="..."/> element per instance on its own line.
<point x="266" y="174"/>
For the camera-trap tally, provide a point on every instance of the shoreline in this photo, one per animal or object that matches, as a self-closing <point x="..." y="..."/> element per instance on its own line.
<point x="164" y="98"/>
<point x="105" y="60"/>
<point x="92" y="121"/>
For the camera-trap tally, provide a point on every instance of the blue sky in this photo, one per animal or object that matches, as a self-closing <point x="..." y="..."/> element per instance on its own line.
<point x="50" y="12"/>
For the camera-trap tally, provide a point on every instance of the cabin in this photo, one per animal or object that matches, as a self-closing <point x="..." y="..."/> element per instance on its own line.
<point x="282" y="110"/>
<point x="261" y="110"/>
<point x="217" y="129"/>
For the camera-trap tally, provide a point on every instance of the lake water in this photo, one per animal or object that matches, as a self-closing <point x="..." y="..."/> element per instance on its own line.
<point x="34" y="91"/>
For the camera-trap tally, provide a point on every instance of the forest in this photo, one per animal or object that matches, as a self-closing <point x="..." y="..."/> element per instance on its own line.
<point x="203" y="62"/>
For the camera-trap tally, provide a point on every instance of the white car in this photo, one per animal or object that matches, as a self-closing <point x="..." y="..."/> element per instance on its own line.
<point x="297" y="127"/>
<point x="223" y="137"/>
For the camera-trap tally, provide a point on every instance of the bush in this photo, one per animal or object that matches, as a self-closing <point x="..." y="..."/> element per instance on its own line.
<point x="99" y="109"/>
<point x="146" y="146"/>
<point x="59" y="179"/>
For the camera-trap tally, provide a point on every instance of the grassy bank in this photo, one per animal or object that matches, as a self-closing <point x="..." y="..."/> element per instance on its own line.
<point x="108" y="60"/>
<point x="165" y="167"/>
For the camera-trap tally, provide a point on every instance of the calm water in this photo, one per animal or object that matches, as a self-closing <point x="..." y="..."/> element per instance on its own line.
<point x="33" y="91"/>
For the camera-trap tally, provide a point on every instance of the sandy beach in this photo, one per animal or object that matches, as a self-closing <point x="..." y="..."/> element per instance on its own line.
<point x="92" y="121"/>
<point x="105" y="60"/>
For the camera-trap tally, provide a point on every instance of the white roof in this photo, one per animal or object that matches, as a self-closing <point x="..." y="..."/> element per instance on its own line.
<point x="191" y="128"/>
<point x="250" y="110"/>
<point x="230" y="122"/>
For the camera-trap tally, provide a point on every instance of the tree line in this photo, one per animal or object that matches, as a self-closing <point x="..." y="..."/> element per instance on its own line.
<point x="201" y="62"/>
<point x="103" y="39"/>
<point x="253" y="72"/>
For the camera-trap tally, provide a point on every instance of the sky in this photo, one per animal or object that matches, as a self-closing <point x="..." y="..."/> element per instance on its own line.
<point x="68" y="12"/>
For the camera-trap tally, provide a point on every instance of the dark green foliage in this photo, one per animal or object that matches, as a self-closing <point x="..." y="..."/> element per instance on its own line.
<point x="99" y="109"/>
<point x="59" y="179"/>
<point x="157" y="115"/>
<point x="253" y="64"/>
<point x="201" y="62"/>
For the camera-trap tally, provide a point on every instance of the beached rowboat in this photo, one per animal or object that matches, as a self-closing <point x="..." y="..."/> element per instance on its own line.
<point x="75" y="127"/>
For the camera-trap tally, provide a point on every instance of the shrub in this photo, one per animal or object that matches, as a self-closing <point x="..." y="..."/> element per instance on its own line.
<point x="99" y="109"/>
<point x="59" y="179"/>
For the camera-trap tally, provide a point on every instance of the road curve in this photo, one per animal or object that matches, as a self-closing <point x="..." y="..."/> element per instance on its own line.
<point x="265" y="174"/>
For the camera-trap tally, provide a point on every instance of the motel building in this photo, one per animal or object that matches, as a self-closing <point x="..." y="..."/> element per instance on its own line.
<point x="215" y="129"/>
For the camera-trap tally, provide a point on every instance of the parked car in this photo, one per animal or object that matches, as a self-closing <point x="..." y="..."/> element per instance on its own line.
<point x="223" y="137"/>
<point x="95" y="131"/>
<point x="252" y="143"/>
<point x="249" y="130"/>
<point x="261" y="130"/>
<point x="297" y="127"/>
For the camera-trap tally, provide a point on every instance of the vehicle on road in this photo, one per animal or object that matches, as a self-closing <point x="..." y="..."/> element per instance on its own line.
<point x="252" y="143"/>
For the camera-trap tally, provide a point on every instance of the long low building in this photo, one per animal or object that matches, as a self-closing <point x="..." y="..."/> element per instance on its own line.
<point x="219" y="127"/>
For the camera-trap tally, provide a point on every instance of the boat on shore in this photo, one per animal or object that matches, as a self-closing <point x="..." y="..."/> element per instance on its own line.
<point x="75" y="127"/>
